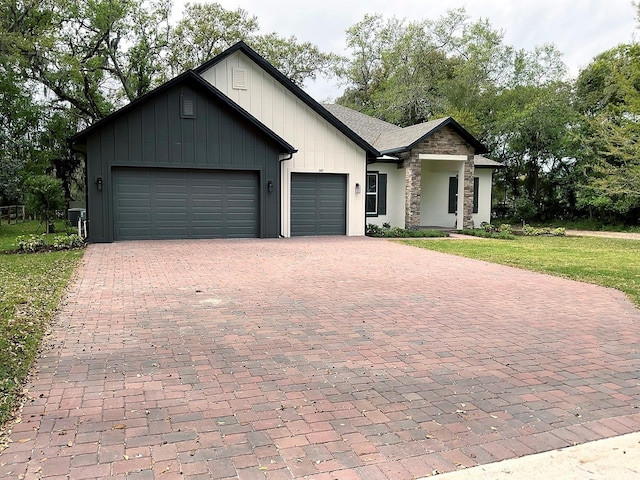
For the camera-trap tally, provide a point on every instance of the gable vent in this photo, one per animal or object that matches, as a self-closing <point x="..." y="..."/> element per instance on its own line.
<point x="188" y="107"/>
<point x="239" y="78"/>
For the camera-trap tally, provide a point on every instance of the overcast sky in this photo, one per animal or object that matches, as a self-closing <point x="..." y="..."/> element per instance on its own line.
<point x="579" y="28"/>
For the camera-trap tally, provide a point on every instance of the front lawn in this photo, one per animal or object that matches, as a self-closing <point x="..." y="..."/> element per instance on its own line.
<point x="31" y="286"/>
<point x="603" y="261"/>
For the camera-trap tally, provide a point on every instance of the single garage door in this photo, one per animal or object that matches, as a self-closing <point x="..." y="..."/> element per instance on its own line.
<point x="156" y="203"/>
<point x="318" y="204"/>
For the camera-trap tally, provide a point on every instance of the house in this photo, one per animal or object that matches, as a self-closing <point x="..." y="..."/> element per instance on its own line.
<point x="235" y="149"/>
<point x="414" y="183"/>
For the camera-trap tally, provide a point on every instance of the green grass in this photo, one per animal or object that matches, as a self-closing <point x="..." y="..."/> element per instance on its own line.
<point x="31" y="286"/>
<point x="603" y="261"/>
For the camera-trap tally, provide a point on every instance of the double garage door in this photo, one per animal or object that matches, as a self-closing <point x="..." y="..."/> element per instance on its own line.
<point x="155" y="203"/>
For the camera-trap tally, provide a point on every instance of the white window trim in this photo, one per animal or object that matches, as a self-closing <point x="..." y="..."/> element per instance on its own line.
<point x="373" y="194"/>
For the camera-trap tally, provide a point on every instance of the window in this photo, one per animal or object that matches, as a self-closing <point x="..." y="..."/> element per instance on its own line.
<point x="453" y="194"/>
<point x="376" y="194"/>
<point x="476" y="184"/>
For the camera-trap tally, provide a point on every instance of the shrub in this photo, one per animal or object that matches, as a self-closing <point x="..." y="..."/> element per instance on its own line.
<point x="66" y="242"/>
<point x="481" y="232"/>
<point x="530" y="231"/>
<point x="487" y="230"/>
<point x="37" y="243"/>
<point x="387" y="231"/>
<point x="30" y="243"/>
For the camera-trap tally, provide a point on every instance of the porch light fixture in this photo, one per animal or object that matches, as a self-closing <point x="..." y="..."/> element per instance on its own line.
<point x="99" y="183"/>
<point x="358" y="189"/>
<point x="270" y="186"/>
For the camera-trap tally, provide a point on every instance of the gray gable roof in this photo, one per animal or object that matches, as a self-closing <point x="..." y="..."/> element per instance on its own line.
<point x="484" y="162"/>
<point x="391" y="139"/>
<point x="369" y="128"/>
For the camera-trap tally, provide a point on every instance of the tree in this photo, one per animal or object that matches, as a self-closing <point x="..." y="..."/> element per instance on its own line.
<point x="205" y="30"/>
<point x="608" y="96"/>
<point x="44" y="197"/>
<point x="299" y="61"/>
<point x="93" y="54"/>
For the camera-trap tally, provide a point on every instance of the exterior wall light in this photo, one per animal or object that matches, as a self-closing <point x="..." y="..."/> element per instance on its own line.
<point x="358" y="188"/>
<point x="99" y="183"/>
<point x="270" y="186"/>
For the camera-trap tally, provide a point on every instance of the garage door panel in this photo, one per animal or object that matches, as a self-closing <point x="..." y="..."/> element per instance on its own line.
<point x="318" y="204"/>
<point x="173" y="203"/>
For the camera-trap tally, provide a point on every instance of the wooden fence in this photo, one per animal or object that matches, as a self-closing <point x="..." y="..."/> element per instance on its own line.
<point x="13" y="214"/>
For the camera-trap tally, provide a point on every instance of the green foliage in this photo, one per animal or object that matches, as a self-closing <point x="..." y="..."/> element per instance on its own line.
<point x="31" y="243"/>
<point x="37" y="243"/>
<point x="30" y="291"/>
<point x="608" y="96"/>
<point x="529" y="231"/>
<point x="205" y="30"/>
<point x="44" y="196"/>
<point x="387" y="231"/>
<point x="487" y="230"/>
<point x="602" y="261"/>
<point x="67" y="242"/>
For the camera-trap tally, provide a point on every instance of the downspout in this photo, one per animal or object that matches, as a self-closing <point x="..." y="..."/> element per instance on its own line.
<point x="280" y="235"/>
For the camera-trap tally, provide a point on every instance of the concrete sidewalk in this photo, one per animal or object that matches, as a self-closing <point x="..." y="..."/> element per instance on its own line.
<point x="615" y="458"/>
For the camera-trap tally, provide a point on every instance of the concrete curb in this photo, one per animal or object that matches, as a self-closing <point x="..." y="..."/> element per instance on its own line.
<point x="612" y="458"/>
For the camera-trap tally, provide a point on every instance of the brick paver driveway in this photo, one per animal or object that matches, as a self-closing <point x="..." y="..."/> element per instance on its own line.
<point x="326" y="358"/>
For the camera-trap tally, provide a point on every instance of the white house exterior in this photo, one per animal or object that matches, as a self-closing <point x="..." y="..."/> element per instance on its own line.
<point x="286" y="110"/>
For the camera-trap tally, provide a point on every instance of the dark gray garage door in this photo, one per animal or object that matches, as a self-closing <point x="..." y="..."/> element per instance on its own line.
<point x="153" y="203"/>
<point x="318" y="204"/>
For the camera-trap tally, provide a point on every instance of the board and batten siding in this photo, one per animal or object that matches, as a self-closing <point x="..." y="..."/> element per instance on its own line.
<point x="321" y="147"/>
<point x="155" y="135"/>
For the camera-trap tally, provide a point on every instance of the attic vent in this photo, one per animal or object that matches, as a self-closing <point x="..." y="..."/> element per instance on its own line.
<point x="239" y="78"/>
<point x="188" y="107"/>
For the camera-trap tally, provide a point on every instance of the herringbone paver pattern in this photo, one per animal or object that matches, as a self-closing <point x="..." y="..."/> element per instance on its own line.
<point x="322" y="358"/>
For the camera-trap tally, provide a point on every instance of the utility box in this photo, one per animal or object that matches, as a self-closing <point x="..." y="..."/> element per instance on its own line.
<point x="75" y="214"/>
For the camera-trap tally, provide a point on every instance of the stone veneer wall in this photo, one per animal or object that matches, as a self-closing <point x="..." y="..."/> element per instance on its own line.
<point x="446" y="142"/>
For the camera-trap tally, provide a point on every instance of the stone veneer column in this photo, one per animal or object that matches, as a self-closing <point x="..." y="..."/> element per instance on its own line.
<point x="469" y="171"/>
<point x="413" y="182"/>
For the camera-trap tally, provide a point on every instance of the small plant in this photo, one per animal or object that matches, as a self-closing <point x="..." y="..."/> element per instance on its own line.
<point x="66" y="242"/>
<point x="506" y="228"/>
<point x="30" y="243"/>
<point x="530" y="231"/>
<point x="487" y="230"/>
<point x="38" y="243"/>
<point x="387" y="231"/>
